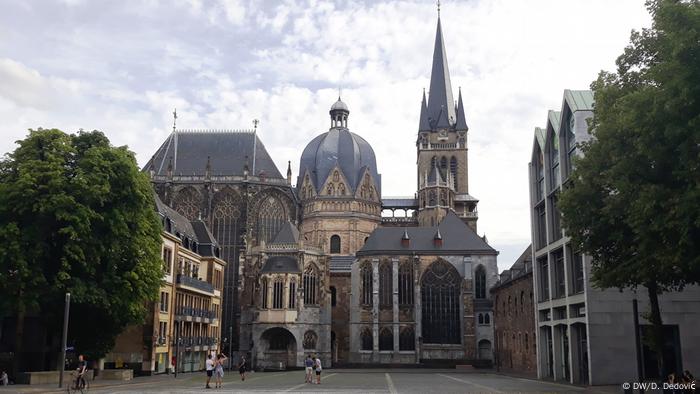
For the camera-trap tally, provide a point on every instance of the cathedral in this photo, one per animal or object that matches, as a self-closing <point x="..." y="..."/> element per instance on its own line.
<point x="323" y="265"/>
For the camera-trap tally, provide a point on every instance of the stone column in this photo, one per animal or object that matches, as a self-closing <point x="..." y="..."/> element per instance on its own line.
<point x="395" y="296"/>
<point x="375" y="309"/>
<point x="417" y="313"/>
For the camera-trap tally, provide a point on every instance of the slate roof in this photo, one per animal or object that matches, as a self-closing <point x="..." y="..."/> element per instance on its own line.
<point x="195" y="230"/>
<point x="207" y="243"/>
<point x="341" y="263"/>
<point x="435" y="175"/>
<point x="226" y="151"/>
<point x="338" y="146"/>
<point x="179" y="223"/>
<point x="279" y="264"/>
<point x="288" y="234"/>
<point x="440" y="100"/>
<point x="519" y="269"/>
<point x="457" y="238"/>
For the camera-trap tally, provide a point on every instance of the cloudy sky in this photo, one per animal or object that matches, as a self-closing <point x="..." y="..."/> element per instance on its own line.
<point x="123" y="66"/>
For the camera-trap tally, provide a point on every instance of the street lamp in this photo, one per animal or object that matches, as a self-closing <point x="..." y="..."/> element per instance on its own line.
<point x="64" y="341"/>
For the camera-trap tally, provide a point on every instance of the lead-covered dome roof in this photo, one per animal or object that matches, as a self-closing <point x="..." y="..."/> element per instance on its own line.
<point x="346" y="149"/>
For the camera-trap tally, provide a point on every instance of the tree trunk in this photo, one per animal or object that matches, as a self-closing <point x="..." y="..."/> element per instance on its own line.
<point x="657" y="331"/>
<point x="19" y="337"/>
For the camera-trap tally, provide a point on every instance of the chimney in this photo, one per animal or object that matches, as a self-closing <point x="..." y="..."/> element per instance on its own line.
<point x="437" y="240"/>
<point x="405" y="240"/>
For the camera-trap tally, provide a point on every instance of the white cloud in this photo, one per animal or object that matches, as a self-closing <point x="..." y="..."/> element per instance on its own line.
<point x="226" y="63"/>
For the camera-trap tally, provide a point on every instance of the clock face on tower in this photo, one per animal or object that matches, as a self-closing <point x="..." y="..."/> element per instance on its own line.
<point x="443" y="133"/>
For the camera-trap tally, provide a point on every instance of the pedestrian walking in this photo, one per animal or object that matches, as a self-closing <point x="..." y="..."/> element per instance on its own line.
<point x="241" y="368"/>
<point x="309" y="364"/>
<point x="319" y="368"/>
<point x="210" y="370"/>
<point x="219" y="370"/>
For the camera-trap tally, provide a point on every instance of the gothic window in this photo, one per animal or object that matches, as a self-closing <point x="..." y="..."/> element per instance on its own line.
<point x="292" y="294"/>
<point x="366" y="276"/>
<point x="333" y="296"/>
<point x="341" y="189"/>
<point x="481" y="318"/>
<point x="480" y="282"/>
<point x="310" y="339"/>
<point x="366" y="340"/>
<point x="443" y="198"/>
<point x="453" y="170"/>
<point x="385" y="285"/>
<point x="386" y="339"/>
<point x="443" y="167"/>
<point x="310" y="285"/>
<point x="263" y="291"/>
<point x="187" y="203"/>
<point x="431" y="198"/>
<point x="406" y="284"/>
<point x="330" y="190"/>
<point x="278" y="294"/>
<point x="440" y="294"/>
<point x="271" y="216"/>
<point x="433" y="163"/>
<point x="225" y="226"/>
<point x="335" y="244"/>
<point x="336" y="177"/>
<point x="407" y="339"/>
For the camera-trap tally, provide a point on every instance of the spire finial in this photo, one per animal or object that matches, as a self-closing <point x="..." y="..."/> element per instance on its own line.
<point x="255" y="124"/>
<point x="438" y="5"/>
<point x="174" y="118"/>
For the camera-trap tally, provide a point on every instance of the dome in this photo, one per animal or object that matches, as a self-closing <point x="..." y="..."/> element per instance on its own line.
<point x="339" y="105"/>
<point x="350" y="151"/>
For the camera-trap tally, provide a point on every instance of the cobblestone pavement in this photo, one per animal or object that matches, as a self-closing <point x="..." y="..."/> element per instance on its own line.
<point x="337" y="381"/>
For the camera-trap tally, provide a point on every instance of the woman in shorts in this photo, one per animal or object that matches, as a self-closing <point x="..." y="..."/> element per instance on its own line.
<point x="219" y="370"/>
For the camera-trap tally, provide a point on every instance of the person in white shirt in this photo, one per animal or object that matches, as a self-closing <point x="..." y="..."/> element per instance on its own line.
<point x="317" y="364"/>
<point x="210" y="371"/>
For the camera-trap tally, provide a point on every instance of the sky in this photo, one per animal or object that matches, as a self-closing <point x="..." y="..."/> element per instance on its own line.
<point x="123" y="66"/>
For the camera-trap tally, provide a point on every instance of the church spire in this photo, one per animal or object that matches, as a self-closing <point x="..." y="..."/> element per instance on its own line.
<point x="440" y="99"/>
<point x="424" y="122"/>
<point x="461" y="119"/>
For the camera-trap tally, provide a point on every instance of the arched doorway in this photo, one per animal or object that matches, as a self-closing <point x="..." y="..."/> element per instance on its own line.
<point x="485" y="349"/>
<point x="278" y="349"/>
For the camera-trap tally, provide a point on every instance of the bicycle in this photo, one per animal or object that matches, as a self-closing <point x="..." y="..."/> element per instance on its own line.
<point x="73" y="387"/>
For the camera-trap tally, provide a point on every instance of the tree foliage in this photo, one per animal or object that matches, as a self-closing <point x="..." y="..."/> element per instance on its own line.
<point x="77" y="215"/>
<point x="634" y="202"/>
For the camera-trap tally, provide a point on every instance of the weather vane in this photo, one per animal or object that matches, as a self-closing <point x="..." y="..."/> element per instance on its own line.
<point x="174" y="118"/>
<point x="438" y="4"/>
<point x="255" y="124"/>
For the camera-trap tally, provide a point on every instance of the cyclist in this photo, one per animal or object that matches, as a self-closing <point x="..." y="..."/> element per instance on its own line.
<point x="82" y="368"/>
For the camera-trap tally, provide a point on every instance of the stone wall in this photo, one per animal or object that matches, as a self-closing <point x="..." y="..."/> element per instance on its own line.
<point x="514" y="323"/>
<point x="340" y="322"/>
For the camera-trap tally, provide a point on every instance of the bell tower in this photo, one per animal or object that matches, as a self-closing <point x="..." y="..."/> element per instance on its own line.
<point x="442" y="142"/>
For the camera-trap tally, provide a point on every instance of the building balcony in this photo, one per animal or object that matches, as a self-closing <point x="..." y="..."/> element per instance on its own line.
<point x="196" y="341"/>
<point x="195" y="284"/>
<point x="194" y="314"/>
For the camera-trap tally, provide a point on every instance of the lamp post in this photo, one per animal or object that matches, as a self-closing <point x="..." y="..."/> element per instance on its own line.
<point x="637" y="344"/>
<point x="64" y="341"/>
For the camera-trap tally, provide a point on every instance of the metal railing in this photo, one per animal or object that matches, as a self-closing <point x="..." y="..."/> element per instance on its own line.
<point x="197" y="341"/>
<point x="195" y="312"/>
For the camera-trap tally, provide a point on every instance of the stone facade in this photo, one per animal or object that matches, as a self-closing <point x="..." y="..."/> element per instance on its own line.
<point x="514" y="319"/>
<point x="584" y="334"/>
<point x="189" y="310"/>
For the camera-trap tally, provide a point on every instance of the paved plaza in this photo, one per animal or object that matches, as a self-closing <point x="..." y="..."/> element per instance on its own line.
<point x="338" y="381"/>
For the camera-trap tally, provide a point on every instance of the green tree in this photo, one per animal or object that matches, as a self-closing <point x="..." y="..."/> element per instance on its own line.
<point x="77" y="215"/>
<point x="634" y="202"/>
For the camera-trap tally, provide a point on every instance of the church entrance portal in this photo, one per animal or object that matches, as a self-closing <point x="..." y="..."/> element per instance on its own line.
<point x="279" y="349"/>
